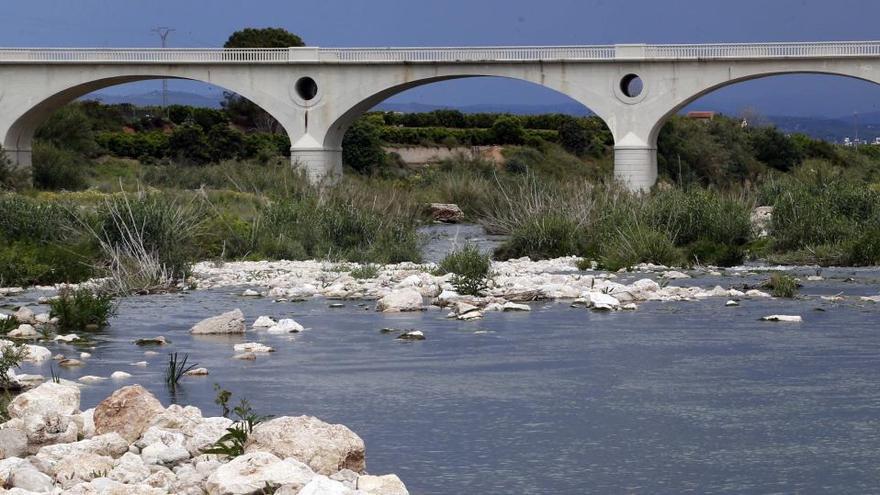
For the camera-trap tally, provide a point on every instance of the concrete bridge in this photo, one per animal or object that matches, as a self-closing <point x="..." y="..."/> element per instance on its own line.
<point x="316" y="93"/>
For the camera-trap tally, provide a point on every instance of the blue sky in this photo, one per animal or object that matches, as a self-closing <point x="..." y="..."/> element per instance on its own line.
<point x="480" y="22"/>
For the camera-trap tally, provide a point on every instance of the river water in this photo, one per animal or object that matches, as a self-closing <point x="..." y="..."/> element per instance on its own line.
<point x="671" y="398"/>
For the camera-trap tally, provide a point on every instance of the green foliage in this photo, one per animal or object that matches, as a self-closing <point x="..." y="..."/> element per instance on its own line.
<point x="362" y="147"/>
<point x="508" y="130"/>
<point x="543" y="236"/>
<point x="11" y="177"/>
<point x="367" y="271"/>
<point x="7" y="323"/>
<point x="189" y="145"/>
<point x="636" y="242"/>
<point x="470" y="269"/>
<point x="772" y="147"/>
<point x="263" y="38"/>
<point x="82" y="309"/>
<point x="11" y="356"/>
<point x="26" y="263"/>
<point x="56" y="169"/>
<point x="782" y="285"/>
<point x="70" y="129"/>
<point x="573" y="137"/>
<point x="232" y="444"/>
<point x="176" y="369"/>
<point x="142" y="145"/>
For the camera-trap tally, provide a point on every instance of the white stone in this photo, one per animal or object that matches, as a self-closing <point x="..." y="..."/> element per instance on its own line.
<point x="37" y="354"/>
<point x="322" y="485"/>
<point x="512" y="306"/>
<point x="388" y="484"/>
<point x="601" y="301"/>
<point x="674" y="275"/>
<point x="756" y="293"/>
<point x="120" y="375"/>
<point x="66" y="338"/>
<point x="731" y="303"/>
<point x="226" y="323"/>
<point x="24" y="331"/>
<point x="264" y="322"/>
<point x="629" y="307"/>
<point x="25" y="315"/>
<point x="250" y="293"/>
<point x="286" y="326"/>
<point x="400" y="300"/>
<point x="197" y="372"/>
<point x="91" y="379"/>
<point x="140" y="364"/>
<point x="48" y="397"/>
<point x="253" y="471"/>
<point x="252" y="347"/>
<point x="471" y="315"/>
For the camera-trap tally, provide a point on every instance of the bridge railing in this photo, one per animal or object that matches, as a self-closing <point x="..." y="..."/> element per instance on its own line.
<point x="441" y="55"/>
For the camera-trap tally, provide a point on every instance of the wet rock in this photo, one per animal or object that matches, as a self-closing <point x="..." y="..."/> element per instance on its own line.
<point x="286" y="326"/>
<point x="128" y="412"/>
<point x="783" y="318"/>
<point x="629" y="307"/>
<point x="251" y="293"/>
<point x="326" y="448"/>
<point x="66" y="338"/>
<point x="874" y="299"/>
<point x="36" y="354"/>
<point x="91" y="379"/>
<point x="388" y="484"/>
<point x="140" y="364"/>
<point x="512" y="306"/>
<point x="48" y="398"/>
<point x="70" y="363"/>
<point x="412" y="335"/>
<point x="471" y="315"/>
<point x="197" y="372"/>
<point x="674" y="275"/>
<point x="24" y="331"/>
<point x="756" y="293"/>
<point x="226" y="323"/>
<point x="252" y="347"/>
<point x="25" y="315"/>
<point x="120" y="375"/>
<point x="252" y="471"/>
<point x="264" y="322"/>
<point x="445" y="212"/>
<point x="400" y="300"/>
<point x="599" y="301"/>
<point x="160" y="340"/>
<point x="731" y="303"/>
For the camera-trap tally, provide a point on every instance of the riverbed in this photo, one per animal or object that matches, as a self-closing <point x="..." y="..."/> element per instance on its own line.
<point x="673" y="397"/>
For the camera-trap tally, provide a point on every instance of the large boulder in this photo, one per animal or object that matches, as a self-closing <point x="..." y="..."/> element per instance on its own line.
<point x="322" y="485"/>
<point x="227" y="323"/>
<point x="445" y="212"/>
<point x="27" y="477"/>
<point x="58" y="398"/>
<point x="400" y="300"/>
<point x="13" y="443"/>
<point x="129" y="411"/>
<point x="326" y="448"/>
<point x="110" y="445"/>
<point x="49" y="429"/>
<point x="251" y="472"/>
<point x="82" y="467"/>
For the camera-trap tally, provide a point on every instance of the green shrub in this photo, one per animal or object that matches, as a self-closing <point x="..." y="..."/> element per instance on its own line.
<point x="82" y="309"/>
<point x="634" y="243"/>
<point x="26" y="219"/>
<point x="470" y="269"/>
<point x="11" y="356"/>
<point x="365" y="272"/>
<point x="189" y="145"/>
<point x="24" y="263"/>
<point x="782" y="285"/>
<point x="55" y="169"/>
<point x="863" y="249"/>
<point x="11" y="177"/>
<point x="542" y="237"/>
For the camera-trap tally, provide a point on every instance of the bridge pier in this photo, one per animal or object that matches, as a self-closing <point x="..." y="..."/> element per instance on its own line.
<point x="635" y="166"/>
<point x="20" y="158"/>
<point x="320" y="165"/>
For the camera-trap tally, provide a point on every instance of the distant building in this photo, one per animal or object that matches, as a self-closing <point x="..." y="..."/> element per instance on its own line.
<point x="701" y="115"/>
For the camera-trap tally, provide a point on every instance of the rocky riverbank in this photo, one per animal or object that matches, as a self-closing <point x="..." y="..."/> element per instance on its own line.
<point x="131" y="444"/>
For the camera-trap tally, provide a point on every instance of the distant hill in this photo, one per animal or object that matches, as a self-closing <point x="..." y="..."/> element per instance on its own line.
<point x="412" y="107"/>
<point x="154" y="98"/>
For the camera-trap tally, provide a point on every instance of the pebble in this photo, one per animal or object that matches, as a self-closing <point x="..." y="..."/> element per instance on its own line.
<point x="412" y="335"/>
<point x="731" y="303"/>
<point x="782" y="318"/>
<point x="120" y="375"/>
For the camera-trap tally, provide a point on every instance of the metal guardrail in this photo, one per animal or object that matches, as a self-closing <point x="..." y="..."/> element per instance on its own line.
<point x="440" y="55"/>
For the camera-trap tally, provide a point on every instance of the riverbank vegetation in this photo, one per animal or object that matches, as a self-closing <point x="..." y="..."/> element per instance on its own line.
<point x="141" y="193"/>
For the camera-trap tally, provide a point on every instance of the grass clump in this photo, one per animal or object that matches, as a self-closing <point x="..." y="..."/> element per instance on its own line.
<point x="11" y="356"/>
<point x="470" y="270"/>
<point x="782" y="285"/>
<point x="363" y="272"/>
<point x="635" y="242"/>
<point x="176" y="369"/>
<point x="82" y="309"/>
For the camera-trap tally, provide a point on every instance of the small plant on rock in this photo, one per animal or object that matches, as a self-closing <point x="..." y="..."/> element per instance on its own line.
<point x="470" y="270"/>
<point x="8" y="324"/>
<point x="782" y="285"/>
<point x="231" y="444"/>
<point x="365" y="272"/>
<point x="11" y="357"/>
<point x="82" y="309"/>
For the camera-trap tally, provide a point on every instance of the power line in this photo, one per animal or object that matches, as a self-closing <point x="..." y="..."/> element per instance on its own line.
<point x="163" y="33"/>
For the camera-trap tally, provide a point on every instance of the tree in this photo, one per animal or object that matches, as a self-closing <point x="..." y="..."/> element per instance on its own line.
<point x="573" y="136"/>
<point x="508" y="130"/>
<point x="774" y="148"/>
<point x="263" y="38"/>
<point x="226" y="143"/>
<point x="362" y="148"/>
<point x="189" y="144"/>
<point x="244" y="112"/>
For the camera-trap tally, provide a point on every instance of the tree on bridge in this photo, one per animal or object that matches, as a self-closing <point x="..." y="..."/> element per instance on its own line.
<point x="242" y="111"/>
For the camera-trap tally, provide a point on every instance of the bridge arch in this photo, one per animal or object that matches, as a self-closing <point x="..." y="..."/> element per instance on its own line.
<point x="858" y="73"/>
<point x="20" y="118"/>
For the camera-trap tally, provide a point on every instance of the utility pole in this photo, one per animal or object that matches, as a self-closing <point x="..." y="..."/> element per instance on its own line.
<point x="163" y="33"/>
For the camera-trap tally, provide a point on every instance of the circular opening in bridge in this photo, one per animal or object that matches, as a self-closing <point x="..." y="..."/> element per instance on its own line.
<point x="306" y="88"/>
<point x="631" y="85"/>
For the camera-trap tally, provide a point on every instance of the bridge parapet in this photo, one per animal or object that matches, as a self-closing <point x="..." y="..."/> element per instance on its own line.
<point x="491" y="54"/>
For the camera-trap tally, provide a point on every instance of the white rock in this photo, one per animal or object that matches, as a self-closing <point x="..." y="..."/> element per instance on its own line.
<point x="91" y="379"/>
<point x="120" y="375"/>
<point x="13" y="443"/>
<point x="197" y="372"/>
<point x="252" y="347"/>
<point x="512" y="306"/>
<point x="85" y="355"/>
<point x="815" y="278"/>
<point x="601" y="301"/>
<point x="37" y="354"/>
<point x="286" y="326"/>
<point x="25" y="315"/>
<point x="629" y="307"/>
<point x="400" y="300"/>
<point x="756" y="293"/>
<point x="49" y="397"/>
<point x="205" y="433"/>
<point x="24" y="331"/>
<point x="471" y="315"/>
<point x="412" y="335"/>
<point x="161" y="446"/>
<point x="111" y="444"/>
<point x="129" y="469"/>
<point x="322" y="485"/>
<point x="731" y="303"/>
<point x="389" y="484"/>
<point x="250" y="293"/>
<point x="875" y="299"/>
<point x="264" y="322"/>
<point x="226" y="323"/>
<point x="66" y="338"/>
<point x="140" y="364"/>
<point x="783" y="318"/>
<point x="28" y="478"/>
<point x="253" y="471"/>
<point x="674" y="275"/>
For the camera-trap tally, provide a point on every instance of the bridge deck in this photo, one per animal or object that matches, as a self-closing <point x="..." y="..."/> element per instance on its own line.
<point x="498" y="54"/>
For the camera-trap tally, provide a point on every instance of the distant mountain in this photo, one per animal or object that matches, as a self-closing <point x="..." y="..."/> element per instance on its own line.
<point x="154" y="98"/>
<point x="412" y="107"/>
